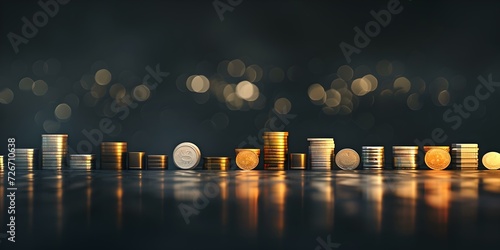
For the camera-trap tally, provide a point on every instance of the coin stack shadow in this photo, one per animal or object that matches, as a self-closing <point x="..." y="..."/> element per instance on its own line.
<point x="136" y="160"/>
<point x="27" y="159"/>
<point x="405" y="157"/>
<point x="465" y="156"/>
<point x="54" y="151"/>
<point x="82" y="162"/>
<point x="113" y="155"/>
<point x="157" y="162"/>
<point x="216" y="163"/>
<point x="275" y="150"/>
<point x="373" y="157"/>
<point x="321" y="153"/>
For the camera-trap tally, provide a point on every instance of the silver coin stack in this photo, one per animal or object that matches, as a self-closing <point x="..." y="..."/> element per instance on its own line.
<point x="1" y="164"/>
<point x="113" y="155"/>
<point x="82" y="162"/>
<point x="405" y="157"/>
<point x="321" y="153"/>
<point x="187" y="155"/>
<point x="157" y="162"/>
<point x="54" y="151"/>
<point x="373" y="157"/>
<point x="27" y="158"/>
<point x="465" y="156"/>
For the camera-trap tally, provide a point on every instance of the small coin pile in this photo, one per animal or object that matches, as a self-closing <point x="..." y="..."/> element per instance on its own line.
<point x="347" y="159"/>
<point x="217" y="163"/>
<point x="298" y="161"/>
<point x="465" y="156"/>
<point x="82" y="161"/>
<point x="373" y="157"/>
<point x="2" y="166"/>
<point x="491" y="160"/>
<point x="247" y="159"/>
<point x="186" y="155"/>
<point x="321" y="153"/>
<point x="113" y="155"/>
<point x="54" y="151"/>
<point x="275" y="150"/>
<point x="27" y="158"/>
<point x="437" y="157"/>
<point x="136" y="160"/>
<point x="157" y="162"/>
<point x="405" y="157"/>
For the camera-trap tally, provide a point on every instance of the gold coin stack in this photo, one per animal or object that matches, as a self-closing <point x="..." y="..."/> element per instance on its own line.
<point x="157" y="162"/>
<point x="54" y="151"/>
<point x="437" y="157"/>
<point x="27" y="158"/>
<point x="373" y="157"/>
<point x="465" y="156"/>
<point x="275" y="150"/>
<point x="216" y="163"/>
<point x="247" y="158"/>
<point x="136" y="160"/>
<point x="405" y="157"/>
<point x="1" y="163"/>
<point x="82" y="162"/>
<point x="113" y="155"/>
<point x="321" y="153"/>
<point x="298" y="161"/>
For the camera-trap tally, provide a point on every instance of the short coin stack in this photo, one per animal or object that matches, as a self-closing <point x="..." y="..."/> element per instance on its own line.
<point x="157" y="162"/>
<point x="298" y="161"/>
<point x="113" y="155"/>
<point x="186" y="155"/>
<point x="82" y="162"/>
<point x="373" y="157"/>
<point x="216" y="163"/>
<point x="321" y="153"/>
<point x="1" y="164"/>
<point x="405" y="157"/>
<point x="275" y="150"/>
<point x="27" y="158"/>
<point x="465" y="156"/>
<point x="136" y="160"/>
<point x="54" y="151"/>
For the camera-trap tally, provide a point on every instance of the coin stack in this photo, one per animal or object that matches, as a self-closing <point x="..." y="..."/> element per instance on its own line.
<point x="465" y="156"/>
<point x="82" y="162"/>
<point x="157" y="162"/>
<point x="373" y="157"/>
<point x="136" y="160"/>
<point x="298" y="161"/>
<point x="187" y="155"/>
<point x="27" y="158"/>
<point x="275" y="150"/>
<point x="113" y="155"/>
<point x="405" y="157"/>
<point x="1" y="164"/>
<point x="216" y="163"/>
<point x="321" y="153"/>
<point x="54" y="151"/>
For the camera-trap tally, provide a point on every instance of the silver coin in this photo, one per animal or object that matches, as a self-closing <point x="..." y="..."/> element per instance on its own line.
<point x="186" y="155"/>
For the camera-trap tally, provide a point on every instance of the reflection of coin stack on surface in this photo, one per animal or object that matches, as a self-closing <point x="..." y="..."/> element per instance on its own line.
<point x="82" y="162"/>
<point x="275" y="150"/>
<point x="2" y="166"/>
<point x="347" y="159"/>
<point x="157" y="162"/>
<point x="405" y="157"/>
<point x="247" y="159"/>
<point x="373" y="157"/>
<point x="437" y="157"/>
<point x="54" y="151"/>
<point x="216" y="163"/>
<point x="136" y="160"/>
<point x="298" y="161"/>
<point x="113" y="155"/>
<point x="321" y="153"/>
<point x="465" y="156"/>
<point x="186" y="155"/>
<point x="27" y="158"/>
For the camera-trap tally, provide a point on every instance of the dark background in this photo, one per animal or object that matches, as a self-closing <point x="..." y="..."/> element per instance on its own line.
<point x="454" y="40"/>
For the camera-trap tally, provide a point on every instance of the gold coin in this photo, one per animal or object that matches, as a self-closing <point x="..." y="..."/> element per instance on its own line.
<point x="491" y="160"/>
<point x="437" y="159"/>
<point x="247" y="160"/>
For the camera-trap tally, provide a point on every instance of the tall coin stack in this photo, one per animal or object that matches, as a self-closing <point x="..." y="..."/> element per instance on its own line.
<point x="113" y="155"/>
<point x="465" y="156"/>
<point x="82" y="162"/>
<point x="373" y="157"/>
<point x="1" y="164"/>
<point x="27" y="158"/>
<point x="275" y="150"/>
<point x="216" y="163"/>
<point x="405" y="157"/>
<point x="157" y="162"/>
<point x="54" y="151"/>
<point x="321" y="153"/>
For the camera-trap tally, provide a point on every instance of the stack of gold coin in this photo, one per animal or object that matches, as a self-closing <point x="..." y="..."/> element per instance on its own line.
<point x="27" y="159"/>
<point x="347" y="159"/>
<point x="298" y="161"/>
<point x="373" y="157"/>
<point x="216" y="163"/>
<point x="157" y="162"/>
<point x="82" y="162"/>
<point x="136" y="160"/>
<point x="1" y="164"/>
<point x="247" y="159"/>
<point x="275" y="150"/>
<point x="405" y="157"/>
<point x="465" y="156"/>
<point x="113" y="155"/>
<point x="491" y="160"/>
<point x="54" y="151"/>
<point x="321" y="153"/>
<point x="437" y="157"/>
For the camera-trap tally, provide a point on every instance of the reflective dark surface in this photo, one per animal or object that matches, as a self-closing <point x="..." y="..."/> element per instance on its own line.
<point x="256" y="210"/>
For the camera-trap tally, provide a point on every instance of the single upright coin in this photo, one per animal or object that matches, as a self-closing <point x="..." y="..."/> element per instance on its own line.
<point x="437" y="159"/>
<point x="186" y="155"/>
<point x="491" y="160"/>
<point x="347" y="159"/>
<point x="247" y="160"/>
